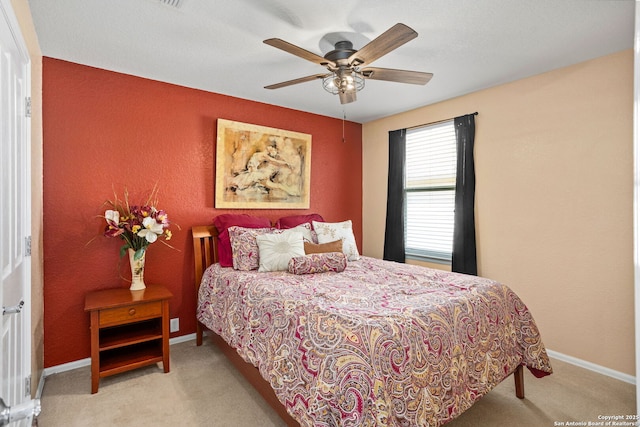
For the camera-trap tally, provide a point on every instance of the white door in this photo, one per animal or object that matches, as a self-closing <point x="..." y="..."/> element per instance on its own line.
<point x="15" y="210"/>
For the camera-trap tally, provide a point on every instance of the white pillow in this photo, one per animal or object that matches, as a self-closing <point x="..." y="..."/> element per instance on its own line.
<point x="305" y="229"/>
<point x="330" y="232"/>
<point x="277" y="249"/>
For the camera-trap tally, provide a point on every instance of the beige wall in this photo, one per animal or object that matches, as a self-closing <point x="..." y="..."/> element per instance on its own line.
<point x="554" y="201"/>
<point x="23" y="13"/>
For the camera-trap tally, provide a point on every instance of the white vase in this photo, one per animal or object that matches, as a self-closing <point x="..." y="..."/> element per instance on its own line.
<point x="137" y="270"/>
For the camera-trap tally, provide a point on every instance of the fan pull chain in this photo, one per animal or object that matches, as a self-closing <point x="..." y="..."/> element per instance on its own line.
<point x="344" y="117"/>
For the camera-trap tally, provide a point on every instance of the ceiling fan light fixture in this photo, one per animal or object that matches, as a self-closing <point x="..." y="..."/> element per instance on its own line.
<point x="343" y="81"/>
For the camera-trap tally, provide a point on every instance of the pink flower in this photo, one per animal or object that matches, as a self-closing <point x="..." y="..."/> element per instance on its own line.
<point x="111" y="231"/>
<point x="113" y="224"/>
<point x="162" y="218"/>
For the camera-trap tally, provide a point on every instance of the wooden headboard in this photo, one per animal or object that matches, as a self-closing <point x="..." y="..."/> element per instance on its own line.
<point x="205" y="252"/>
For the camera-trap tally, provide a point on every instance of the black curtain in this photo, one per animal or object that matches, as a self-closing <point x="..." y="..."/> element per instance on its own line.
<point x="464" y="229"/>
<point x="394" y="230"/>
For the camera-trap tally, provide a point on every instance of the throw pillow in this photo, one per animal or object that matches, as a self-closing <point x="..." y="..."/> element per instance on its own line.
<point x="318" y="248"/>
<point x="318" y="263"/>
<point x="244" y="249"/>
<point x="330" y="232"/>
<point x="293" y="220"/>
<point x="276" y="250"/>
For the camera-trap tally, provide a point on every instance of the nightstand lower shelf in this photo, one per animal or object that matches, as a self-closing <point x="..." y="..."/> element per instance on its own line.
<point x="134" y="356"/>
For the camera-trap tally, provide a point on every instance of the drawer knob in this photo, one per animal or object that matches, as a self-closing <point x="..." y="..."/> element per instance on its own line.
<point x="132" y="312"/>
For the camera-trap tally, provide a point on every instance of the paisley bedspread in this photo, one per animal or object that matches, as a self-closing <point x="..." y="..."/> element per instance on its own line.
<point x="378" y="344"/>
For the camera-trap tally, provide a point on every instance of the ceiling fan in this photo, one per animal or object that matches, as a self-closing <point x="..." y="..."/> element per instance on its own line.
<point x="346" y="75"/>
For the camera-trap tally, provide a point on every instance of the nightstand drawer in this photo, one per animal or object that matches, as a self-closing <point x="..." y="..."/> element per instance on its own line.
<point x="130" y="313"/>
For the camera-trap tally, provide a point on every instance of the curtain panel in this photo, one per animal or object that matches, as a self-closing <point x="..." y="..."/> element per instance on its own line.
<point x="464" y="230"/>
<point x="394" y="229"/>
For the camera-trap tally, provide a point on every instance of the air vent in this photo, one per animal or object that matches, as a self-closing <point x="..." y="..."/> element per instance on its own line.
<point x="173" y="3"/>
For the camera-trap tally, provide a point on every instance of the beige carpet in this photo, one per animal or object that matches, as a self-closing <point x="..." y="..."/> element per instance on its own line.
<point x="203" y="389"/>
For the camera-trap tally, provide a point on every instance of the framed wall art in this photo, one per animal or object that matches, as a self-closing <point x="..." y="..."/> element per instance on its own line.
<point x="259" y="167"/>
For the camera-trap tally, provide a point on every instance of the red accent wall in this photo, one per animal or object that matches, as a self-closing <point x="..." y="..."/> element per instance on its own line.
<point x="106" y="130"/>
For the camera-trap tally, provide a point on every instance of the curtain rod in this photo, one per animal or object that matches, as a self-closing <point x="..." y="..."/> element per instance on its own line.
<point x="439" y="121"/>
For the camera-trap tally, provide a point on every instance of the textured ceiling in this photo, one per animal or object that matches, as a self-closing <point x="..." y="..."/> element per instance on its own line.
<point x="216" y="45"/>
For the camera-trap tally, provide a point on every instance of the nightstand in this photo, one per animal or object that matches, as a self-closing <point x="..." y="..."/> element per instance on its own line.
<point x="129" y="329"/>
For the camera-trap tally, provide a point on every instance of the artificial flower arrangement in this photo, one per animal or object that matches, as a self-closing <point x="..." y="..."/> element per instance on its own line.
<point x="137" y="225"/>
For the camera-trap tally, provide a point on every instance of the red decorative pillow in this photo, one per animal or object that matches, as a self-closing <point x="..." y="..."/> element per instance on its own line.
<point x="295" y="220"/>
<point x="223" y="222"/>
<point x="318" y="263"/>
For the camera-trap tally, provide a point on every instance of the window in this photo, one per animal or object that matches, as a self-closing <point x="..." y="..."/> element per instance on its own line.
<point x="430" y="186"/>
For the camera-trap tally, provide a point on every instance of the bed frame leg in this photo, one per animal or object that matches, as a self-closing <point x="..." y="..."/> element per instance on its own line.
<point x="198" y="333"/>
<point x="518" y="375"/>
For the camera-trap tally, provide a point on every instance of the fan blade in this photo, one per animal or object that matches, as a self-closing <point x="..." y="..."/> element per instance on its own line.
<point x="400" y="76"/>
<point x="296" y="81"/>
<point x="347" y="96"/>
<point x="300" y="52"/>
<point x="391" y="39"/>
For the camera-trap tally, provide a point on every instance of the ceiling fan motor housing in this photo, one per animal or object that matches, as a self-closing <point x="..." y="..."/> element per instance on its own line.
<point x="343" y="50"/>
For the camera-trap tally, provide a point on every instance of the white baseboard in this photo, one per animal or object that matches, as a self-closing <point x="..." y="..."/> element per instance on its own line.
<point x="592" y="367"/>
<point x="66" y="367"/>
<point x="87" y="362"/>
<point x="182" y="338"/>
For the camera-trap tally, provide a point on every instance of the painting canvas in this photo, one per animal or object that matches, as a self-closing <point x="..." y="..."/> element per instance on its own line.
<point x="259" y="167"/>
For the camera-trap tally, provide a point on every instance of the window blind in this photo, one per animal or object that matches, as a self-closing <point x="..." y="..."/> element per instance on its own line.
<point x="430" y="178"/>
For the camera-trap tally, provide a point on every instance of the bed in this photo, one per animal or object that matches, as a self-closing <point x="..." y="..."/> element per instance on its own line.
<point x="380" y="343"/>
